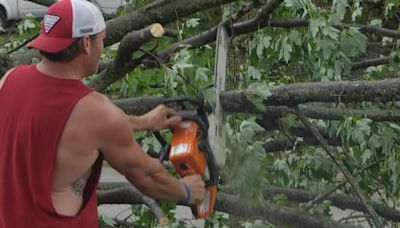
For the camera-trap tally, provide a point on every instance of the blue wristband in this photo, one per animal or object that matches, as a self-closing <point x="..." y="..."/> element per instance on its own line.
<point x="188" y="194"/>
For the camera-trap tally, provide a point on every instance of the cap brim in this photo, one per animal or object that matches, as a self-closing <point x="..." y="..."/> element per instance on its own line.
<point x="50" y="44"/>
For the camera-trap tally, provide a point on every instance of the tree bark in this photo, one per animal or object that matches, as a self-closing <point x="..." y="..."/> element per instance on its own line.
<point x="298" y="93"/>
<point x="338" y="200"/>
<point x="277" y="215"/>
<point x="159" y="13"/>
<point x="130" y="195"/>
<point x="280" y="216"/>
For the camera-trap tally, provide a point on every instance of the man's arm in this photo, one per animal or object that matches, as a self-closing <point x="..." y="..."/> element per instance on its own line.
<point x="125" y="155"/>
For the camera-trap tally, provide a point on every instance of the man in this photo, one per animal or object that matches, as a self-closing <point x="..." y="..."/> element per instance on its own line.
<point x="55" y="131"/>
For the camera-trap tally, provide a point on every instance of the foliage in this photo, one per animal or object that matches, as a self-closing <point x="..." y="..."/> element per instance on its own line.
<point x="321" y="51"/>
<point x="276" y="56"/>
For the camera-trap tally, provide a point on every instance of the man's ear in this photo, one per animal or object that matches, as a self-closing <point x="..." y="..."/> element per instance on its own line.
<point x="86" y="44"/>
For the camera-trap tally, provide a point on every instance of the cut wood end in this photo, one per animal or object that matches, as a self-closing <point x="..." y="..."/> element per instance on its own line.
<point x="157" y="30"/>
<point x="163" y="221"/>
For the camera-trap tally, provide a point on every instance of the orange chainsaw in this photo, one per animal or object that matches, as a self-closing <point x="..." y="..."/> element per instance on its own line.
<point x="190" y="153"/>
<point x="198" y="142"/>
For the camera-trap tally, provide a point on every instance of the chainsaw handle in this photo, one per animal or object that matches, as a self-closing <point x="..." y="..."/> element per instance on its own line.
<point x="201" y="111"/>
<point x="198" y="120"/>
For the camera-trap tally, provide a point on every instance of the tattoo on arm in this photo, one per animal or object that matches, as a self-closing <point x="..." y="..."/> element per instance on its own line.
<point x="79" y="185"/>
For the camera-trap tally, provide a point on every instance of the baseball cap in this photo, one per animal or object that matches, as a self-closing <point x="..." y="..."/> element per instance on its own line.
<point x="64" y="22"/>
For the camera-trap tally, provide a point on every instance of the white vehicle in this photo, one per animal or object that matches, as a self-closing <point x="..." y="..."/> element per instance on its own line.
<point x="11" y="10"/>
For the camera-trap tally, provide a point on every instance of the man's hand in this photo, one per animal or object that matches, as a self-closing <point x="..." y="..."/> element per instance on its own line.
<point x="157" y="119"/>
<point x="197" y="188"/>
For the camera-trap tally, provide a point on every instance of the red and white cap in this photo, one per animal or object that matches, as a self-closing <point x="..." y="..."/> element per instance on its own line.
<point x="64" y="22"/>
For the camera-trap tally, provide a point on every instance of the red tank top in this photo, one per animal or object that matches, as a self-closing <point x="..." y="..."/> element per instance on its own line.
<point x="33" y="111"/>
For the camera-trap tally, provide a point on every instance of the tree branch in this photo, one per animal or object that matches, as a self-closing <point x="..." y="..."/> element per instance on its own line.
<point x="297" y="93"/>
<point x="157" y="13"/>
<point x="278" y="145"/>
<point x="279" y="216"/>
<point x="130" y="195"/>
<point x="123" y="63"/>
<point x="238" y="28"/>
<point x="373" y="62"/>
<point x="164" y="55"/>
<point x="341" y="166"/>
<point x="338" y="200"/>
<point x="333" y="114"/>
<point x="324" y="195"/>
<point x="301" y="131"/>
<point x="289" y="23"/>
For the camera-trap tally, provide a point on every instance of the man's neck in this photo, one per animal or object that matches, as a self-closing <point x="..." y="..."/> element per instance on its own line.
<point x="59" y="70"/>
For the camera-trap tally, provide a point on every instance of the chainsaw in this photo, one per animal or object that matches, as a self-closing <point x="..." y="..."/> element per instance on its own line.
<point x="198" y="142"/>
<point x="189" y="150"/>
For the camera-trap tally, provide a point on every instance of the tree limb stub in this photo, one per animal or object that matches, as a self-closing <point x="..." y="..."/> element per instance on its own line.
<point x="122" y="63"/>
<point x="159" y="13"/>
<point x="195" y="41"/>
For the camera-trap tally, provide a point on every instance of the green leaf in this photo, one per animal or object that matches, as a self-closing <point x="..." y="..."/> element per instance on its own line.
<point x="280" y="199"/>
<point x="257" y="93"/>
<point x="294" y="4"/>
<point x="286" y="49"/>
<point x="295" y="37"/>
<point x="316" y="24"/>
<point x="193" y="22"/>
<point x="357" y="12"/>
<point x="151" y="142"/>
<point x="330" y="32"/>
<point x="339" y="7"/>
<point x="375" y="141"/>
<point x="107" y="220"/>
<point x="394" y="126"/>
<point x="202" y="74"/>
<point x="182" y="65"/>
<point x="266" y="41"/>
<point x="253" y="73"/>
<point x="248" y="128"/>
<point x="209" y="95"/>
<point x="366" y="155"/>
<point x="353" y="42"/>
<point x="327" y="46"/>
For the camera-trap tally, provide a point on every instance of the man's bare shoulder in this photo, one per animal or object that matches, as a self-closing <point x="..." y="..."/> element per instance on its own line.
<point x="97" y="107"/>
<point x="104" y="120"/>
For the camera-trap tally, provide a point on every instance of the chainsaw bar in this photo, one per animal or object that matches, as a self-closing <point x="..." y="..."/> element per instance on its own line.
<point x="216" y="130"/>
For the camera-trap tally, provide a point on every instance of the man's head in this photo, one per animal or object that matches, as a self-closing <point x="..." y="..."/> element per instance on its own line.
<point x="70" y="28"/>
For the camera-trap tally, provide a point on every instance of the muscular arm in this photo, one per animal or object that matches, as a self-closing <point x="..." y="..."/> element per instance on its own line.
<point x="125" y="155"/>
<point x="138" y="123"/>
